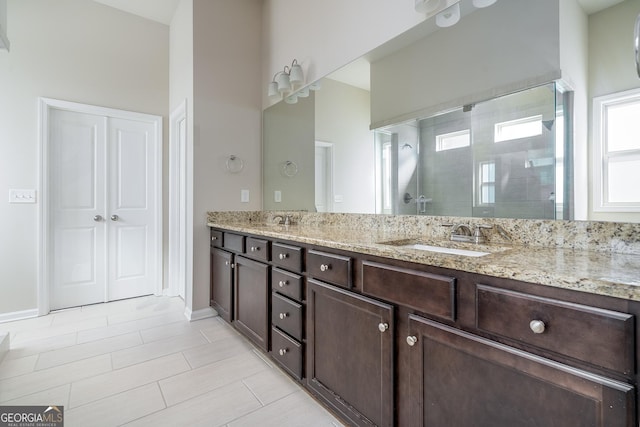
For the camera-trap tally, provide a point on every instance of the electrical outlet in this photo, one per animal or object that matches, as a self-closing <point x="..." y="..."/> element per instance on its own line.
<point x="277" y="196"/>
<point x="22" y="196"/>
<point x="244" y="196"/>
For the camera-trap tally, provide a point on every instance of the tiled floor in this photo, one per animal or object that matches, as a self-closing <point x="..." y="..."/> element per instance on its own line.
<point x="138" y="362"/>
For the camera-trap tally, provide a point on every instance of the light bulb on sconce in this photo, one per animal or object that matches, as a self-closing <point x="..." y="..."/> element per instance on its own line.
<point x="427" y="6"/>
<point x="286" y="81"/>
<point x="448" y="17"/>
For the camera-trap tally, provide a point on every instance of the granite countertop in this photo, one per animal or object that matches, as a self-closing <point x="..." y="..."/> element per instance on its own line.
<point x="603" y="273"/>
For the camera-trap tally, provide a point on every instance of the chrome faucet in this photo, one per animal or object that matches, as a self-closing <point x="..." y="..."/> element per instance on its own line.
<point x="285" y="220"/>
<point x="462" y="233"/>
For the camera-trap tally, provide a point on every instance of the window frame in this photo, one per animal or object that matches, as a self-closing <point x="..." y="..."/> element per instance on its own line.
<point x="602" y="157"/>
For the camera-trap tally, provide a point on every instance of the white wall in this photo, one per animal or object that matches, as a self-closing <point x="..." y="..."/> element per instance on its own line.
<point x="325" y="35"/>
<point x="507" y="47"/>
<point x="342" y="118"/>
<point x="227" y="118"/>
<point x="611" y="69"/>
<point x="4" y="41"/>
<point x="73" y="50"/>
<point x="574" y="63"/>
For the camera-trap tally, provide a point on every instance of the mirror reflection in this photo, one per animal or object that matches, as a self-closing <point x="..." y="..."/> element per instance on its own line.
<point x="501" y="156"/>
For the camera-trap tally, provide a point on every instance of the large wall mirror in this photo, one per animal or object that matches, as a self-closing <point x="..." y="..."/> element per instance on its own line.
<point x="492" y="140"/>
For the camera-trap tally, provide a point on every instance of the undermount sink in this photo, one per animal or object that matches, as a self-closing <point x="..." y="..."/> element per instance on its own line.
<point x="451" y="251"/>
<point x="450" y="248"/>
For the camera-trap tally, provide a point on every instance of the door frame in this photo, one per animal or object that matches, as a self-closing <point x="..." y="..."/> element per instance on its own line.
<point x="328" y="167"/>
<point x="45" y="105"/>
<point x="179" y="268"/>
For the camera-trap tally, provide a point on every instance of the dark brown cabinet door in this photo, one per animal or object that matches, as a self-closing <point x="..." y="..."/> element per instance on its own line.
<point x="459" y="379"/>
<point x="350" y="353"/>
<point x="252" y="293"/>
<point x="222" y="283"/>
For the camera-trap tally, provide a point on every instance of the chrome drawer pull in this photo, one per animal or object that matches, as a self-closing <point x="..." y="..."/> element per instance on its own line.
<point x="412" y="340"/>
<point x="283" y="351"/>
<point x="382" y="327"/>
<point x="325" y="267"/>
<point x="255" y="248"/>
<point x="284" y="315"/>
<point x="537" y="326"/>
<point x="283" y="283"/>
<point x="283" y="256"/>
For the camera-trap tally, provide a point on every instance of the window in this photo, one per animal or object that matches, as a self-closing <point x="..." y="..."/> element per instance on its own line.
<point x="486" y="183"/>
<point x="616" y="167"/>
<point x="449" y="141"/>
<point x="520" y="128"/>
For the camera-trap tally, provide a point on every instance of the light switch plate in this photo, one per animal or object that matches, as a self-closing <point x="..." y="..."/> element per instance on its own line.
<point x="277" y="196"/>
<point x="244" y="196"/>
<point x="22" y="196"/>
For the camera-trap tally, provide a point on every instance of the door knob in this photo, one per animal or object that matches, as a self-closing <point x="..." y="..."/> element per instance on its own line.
<point x="97" y="218"/>
<point x="114" y="217"/>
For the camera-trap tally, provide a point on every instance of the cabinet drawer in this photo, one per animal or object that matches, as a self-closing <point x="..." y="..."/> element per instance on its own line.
<point x="257" y="249"/>
<point x="287" y="315"/>
<point x="287" y="352"/>
<point x="216" y="238"/>
<point x="331" y="268"/>
<point x="286" y="283"/>
<point x="233" y="242"/>
<point x="429" y="293"/>
<point x="289" y="257"/>
<point x="600" y="337"/>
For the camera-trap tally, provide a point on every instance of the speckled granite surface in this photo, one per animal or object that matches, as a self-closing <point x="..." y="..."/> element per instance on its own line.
<point x="595" y="257"/>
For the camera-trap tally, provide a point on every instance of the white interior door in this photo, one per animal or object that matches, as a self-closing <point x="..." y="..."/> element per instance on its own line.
<point x="324" y="177"/>
<point x="104" y="208"/>
<point x="77" y="181"/>
<point x="132" y="218"/>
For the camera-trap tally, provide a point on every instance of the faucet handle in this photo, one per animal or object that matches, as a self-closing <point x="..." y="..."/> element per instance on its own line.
<point x="478" y="237"/>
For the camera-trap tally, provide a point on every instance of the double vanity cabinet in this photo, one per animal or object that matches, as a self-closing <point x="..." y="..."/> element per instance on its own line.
<point x="383" y="341"/>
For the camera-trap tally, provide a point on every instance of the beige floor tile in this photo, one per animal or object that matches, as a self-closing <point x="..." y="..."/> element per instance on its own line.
<point x="147" y="308"/>
<point x="214" y="408"/>
<point x="86" y="350"/>
<point x="12" y="388"/>
<point x="20" y="350"/>
<point x="216" y="351"/>
<point x="127" y="327"/>
<point x="72" y="315"/>
<point x="101" y="386"/>
<point x="54" y="331"/>
<point x="118" y="409"/>
<point x="294" y="410"/>
<point x="26" y="324"/>
<point x="269" y="386"/>
<point x="210" y="377"/>
<point x="219" y="331"/>
<point x="176" y="329"/>
<point x="155" y="349"/>
<point x="14" y="367"/>
<point x="56" y="396"/>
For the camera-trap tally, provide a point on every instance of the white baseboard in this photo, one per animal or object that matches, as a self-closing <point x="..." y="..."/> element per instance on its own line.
<point x="18" y="315"/>
<point x="203" y="313"/>
<point x="4" y="344"/>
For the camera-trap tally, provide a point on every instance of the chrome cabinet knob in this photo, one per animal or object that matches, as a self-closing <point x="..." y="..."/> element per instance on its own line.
<point x="283" y="351"/>
<point x="227" y="263"/>
<point x="97" y="218"/>
<point x="114" y="217"/>
<point x="412" y="340"/>
<point x="284" y="315"/>
<point x="255" y="248"/>
<point x="325" y="267"/>
<point x="537" y="326"/>
<point x="213" y="238"/>
<point x="283" y="256"/>
<point x="382" y="327"/>
<point x="283" y="283"/>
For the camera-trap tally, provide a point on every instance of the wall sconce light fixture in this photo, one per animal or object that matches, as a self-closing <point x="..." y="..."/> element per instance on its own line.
<point x="287" y="80"/>
<point x="448" y="17"/>
<point x="447" y="12"/>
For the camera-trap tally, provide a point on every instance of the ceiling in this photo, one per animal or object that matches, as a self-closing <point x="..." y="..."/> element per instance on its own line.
<point x="155" y="10"/>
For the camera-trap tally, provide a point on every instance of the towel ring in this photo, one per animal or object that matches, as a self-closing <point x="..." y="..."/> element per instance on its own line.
<point x="290" y="168"/>
<point x="234" y="164"/>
